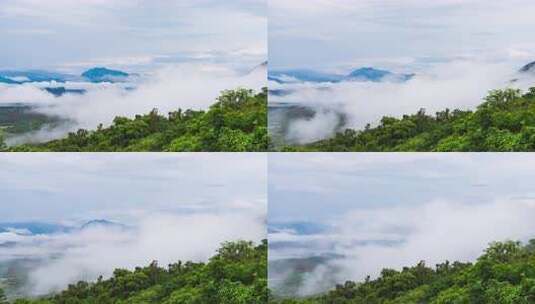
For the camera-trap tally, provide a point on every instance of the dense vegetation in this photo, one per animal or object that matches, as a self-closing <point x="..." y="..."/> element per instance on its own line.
<point x="236" y="122"/>
<point x="504" y="122"/>
<point x="3" y="298"/>
<point x="19" y="119"/>
<point x="504" y="274"/>
<point x="237" y="274"/>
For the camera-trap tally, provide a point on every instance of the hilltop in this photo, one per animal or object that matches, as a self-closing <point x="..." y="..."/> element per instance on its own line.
<point x="101" y="74"/>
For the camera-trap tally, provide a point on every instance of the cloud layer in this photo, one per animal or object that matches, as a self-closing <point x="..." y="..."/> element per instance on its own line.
<point x="97" y="251"/>
<point x="394" y="210"/>
<point x="165" y="208"/>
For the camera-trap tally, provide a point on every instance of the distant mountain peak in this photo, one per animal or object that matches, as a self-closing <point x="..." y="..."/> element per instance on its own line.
<point x="102" y="74"/>
<point x="8" y="80"/>
<point x="60" y="91"/>
<point x="100" y="223"/>
<point x="261" y="67"/>
<point x="33" y="227"/>
<point x="530" y="67"/>
<point x="19" y="77"/>
<point x="370" y="69"/>
<point x="306" y="75"/>
<point x="102" y="71"/>
<point x="377" y="75"/>
<point x="360" y="75"/>
<point x="369" y="73"/>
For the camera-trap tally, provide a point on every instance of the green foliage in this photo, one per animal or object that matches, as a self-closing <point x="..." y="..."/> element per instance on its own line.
<point x="236" y="122"/>
<point x="19" y="119"/>
<point x="504" y="122"/>
<point x="3" y="299"/>
<point x="237" y="274"/>
<point x="504" y="274"/>
<point x="2" y="144"/>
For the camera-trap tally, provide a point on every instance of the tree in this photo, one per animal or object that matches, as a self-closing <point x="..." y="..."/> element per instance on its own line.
<point x="2" y="141"/>
<point x="3" y="298"/>
<point x="504" y="122"/>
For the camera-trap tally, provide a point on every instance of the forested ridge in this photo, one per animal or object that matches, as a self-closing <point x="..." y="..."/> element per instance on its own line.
<point x="503" y="274"/>
<point x="236" y="274"/>
<point x="505" y="121"/>
<point x="237" y="121"/>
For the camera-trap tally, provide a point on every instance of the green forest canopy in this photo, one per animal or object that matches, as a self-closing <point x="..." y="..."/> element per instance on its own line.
<point x="237" y="121"/>
<point x="504" y="122"/>
<point x="237" y="274"/>
<point x="504" y="274"/>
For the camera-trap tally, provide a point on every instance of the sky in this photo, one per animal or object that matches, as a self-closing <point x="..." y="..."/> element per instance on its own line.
<point x="328" y="185"/>
<point x="340" y="34"/>
<point x="71" y="35"/>
<point x="371" y="211"/>
<point x="68" y="187"/>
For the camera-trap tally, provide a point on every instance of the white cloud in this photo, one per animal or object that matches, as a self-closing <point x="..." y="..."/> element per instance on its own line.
<point x="434" y="232"/>
<point x="437" y="231"/>
<point x="23" y="93"/>
<point x="88" y="31"/>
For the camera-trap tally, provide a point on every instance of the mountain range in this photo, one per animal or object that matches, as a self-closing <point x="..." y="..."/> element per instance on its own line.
<point x="528" y="68"/>
<point x="364" y="74"/>
<point x="19" y="77"/>
<point x="95" y="75"/>
<point x="7" y="80"/>
<point x="300" y="228"/>
<point x="101" y="224"/>
<point x="60" y="91"/>
<point x="361" y="74"/>
<point x="33" y="228"/>
<point x="36" y="228"/>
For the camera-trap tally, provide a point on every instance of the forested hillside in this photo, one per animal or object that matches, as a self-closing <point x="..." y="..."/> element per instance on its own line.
<point x="236" y="122"/>
<point x="237" y="274"/>
<point x="504" y="122"/>
<point x="504" y="274"/>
